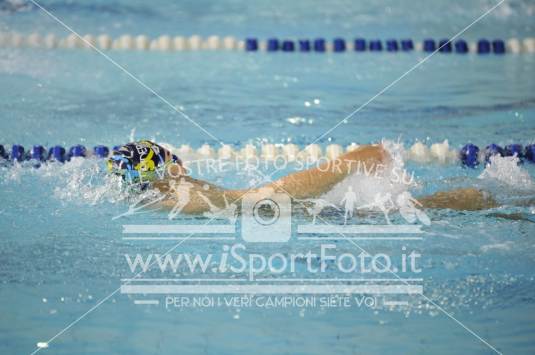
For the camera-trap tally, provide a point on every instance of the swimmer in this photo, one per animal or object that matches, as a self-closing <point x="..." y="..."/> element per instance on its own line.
<point x="148" y="162"/>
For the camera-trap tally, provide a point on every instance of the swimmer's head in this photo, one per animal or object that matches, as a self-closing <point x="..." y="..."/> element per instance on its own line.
<point x="140" y="162"/>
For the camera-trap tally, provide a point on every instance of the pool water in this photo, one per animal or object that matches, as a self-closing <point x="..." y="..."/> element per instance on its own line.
<point x="62" y="252"/>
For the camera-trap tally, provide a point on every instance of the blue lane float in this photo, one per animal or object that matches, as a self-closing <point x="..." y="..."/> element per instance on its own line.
<point x="38" y="153"/>
<point x="514" y="150"/>
<point x="17" y="153"/>
<point x="304" y="45"/>
<point x="251" y="44"/>
<point x="359" y="45"/>
<point x="429" y="45"/>
<point x="492" y="150"/>
<point x="101" y="151"/>
<point x="392" y="45"/>
<point x="483" y="46"/>
<point x="56" y="153"/>
<point x="444" y="46"/>
<point x="376" y="46"/>
<point x="288" y="46"/>
<point x="339" y="45"/>
<point x="498" y="46"/>
<point x="461" y="46"/>
<point x="77" y="151"/>
<point x="469" y="155"/>
<point x="319" y="45"/>
<point x="272" y="45"/>
<point x="407" y="45"/>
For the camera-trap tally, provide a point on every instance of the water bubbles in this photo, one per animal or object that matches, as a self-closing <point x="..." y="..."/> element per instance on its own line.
<point x="507" y="171"/>
<point x="298" y="121"/>
<point x="315" y="101"/>
<point x="80" y="180"/>
<point x="42" y="345"/>
<point x="394" y="179"/>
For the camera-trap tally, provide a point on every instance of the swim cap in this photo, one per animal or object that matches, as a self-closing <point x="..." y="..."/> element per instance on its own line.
<point x="141" y="161"/>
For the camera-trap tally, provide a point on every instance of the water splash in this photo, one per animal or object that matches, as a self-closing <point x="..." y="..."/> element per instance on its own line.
<point x="394" y="179"/>
<point x="80" y="180"/>
<point x="507" y="171"/>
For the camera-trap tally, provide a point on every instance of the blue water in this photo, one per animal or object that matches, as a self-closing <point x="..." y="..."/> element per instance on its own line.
<point x="61" y="252"/>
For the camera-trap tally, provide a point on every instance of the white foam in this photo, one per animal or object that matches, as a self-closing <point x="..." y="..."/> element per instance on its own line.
<point x="42" y="345"/>
<point x="296" y="120"/>
<point x="367" y="186"/>
<point x="83" y="181"/>
<point x="506" y="170"/>
<point x="79" y="181"/>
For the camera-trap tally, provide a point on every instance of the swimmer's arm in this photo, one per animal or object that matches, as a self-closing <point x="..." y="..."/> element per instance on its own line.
<point x="314" y="182"/>
<point x="301" y="185"/>
<point x="468" y="199"/>
<point x="317" y="181"/>
<point x="196" y="204"/>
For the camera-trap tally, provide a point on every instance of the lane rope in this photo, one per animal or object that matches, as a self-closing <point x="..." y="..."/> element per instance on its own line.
<point x="469" y="155"/>
<point x="166" y="43"/>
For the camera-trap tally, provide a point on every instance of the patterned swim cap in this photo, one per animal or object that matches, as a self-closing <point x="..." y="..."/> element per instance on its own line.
<point x="141" y="161"/>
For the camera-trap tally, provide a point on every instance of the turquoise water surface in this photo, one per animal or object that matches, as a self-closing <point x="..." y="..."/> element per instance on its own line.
<point x="62" y="253"/>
